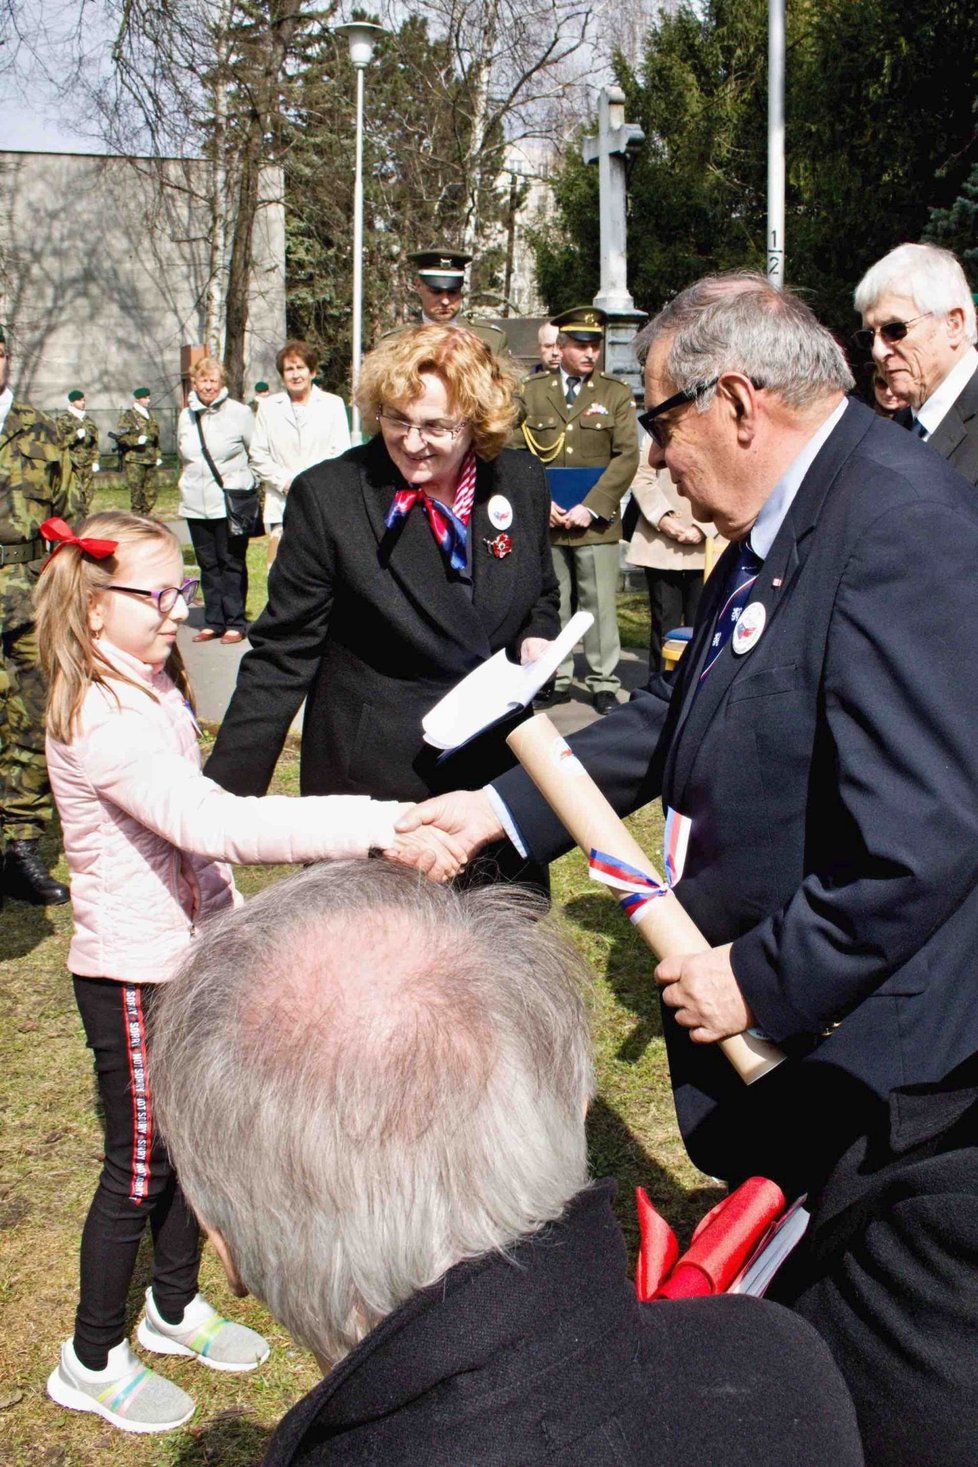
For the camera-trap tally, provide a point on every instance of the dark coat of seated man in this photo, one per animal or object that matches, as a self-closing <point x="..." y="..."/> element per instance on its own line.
<point x="889" y="1274"/>
<point x="374" y="1089"/>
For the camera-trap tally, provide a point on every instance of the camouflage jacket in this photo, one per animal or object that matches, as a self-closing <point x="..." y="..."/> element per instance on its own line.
<point x="36" y="482"/>
<point x="132" y="427"/>
<point x="80" y="437"/>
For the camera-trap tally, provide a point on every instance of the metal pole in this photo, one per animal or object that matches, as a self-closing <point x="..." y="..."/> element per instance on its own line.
<point x="775" y="142"/>
<point x="358" y="256"/>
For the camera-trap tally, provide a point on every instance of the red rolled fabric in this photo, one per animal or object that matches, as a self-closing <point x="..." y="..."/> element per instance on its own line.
<point x="724" y="1240"/>
<point x="658" y="1248"/>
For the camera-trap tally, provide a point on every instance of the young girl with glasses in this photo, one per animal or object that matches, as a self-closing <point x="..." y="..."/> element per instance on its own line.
<point x="146" y="837"/>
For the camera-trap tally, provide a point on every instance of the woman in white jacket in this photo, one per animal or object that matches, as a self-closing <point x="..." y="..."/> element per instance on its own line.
<point x="294" y="429"/>
<point x="227" y="428"/>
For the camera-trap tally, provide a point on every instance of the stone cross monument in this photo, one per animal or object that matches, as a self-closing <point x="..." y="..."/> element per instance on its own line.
<point x="616" y="139"/>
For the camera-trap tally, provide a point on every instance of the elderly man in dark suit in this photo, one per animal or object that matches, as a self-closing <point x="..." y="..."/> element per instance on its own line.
<point x="919" y="321"/>
<point x="824" y="753"/>
<point x="402" y="1176"/>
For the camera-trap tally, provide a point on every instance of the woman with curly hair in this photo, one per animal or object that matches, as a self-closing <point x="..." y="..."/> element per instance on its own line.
<point x="403" y="565"/>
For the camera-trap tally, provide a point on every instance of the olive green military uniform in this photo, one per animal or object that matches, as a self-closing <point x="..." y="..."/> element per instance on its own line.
<point x="36" y="482"/>
<point x="141" y="458"/>
<point x="494" y="338"/>
<point x="598" y="430"/>
<point x="80" y="437"/>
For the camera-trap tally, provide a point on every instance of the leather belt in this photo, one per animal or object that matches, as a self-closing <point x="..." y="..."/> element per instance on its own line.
<point x="21" y="554"/>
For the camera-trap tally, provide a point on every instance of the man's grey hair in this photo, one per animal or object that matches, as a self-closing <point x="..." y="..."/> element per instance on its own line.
<point x="739" y="322"/>
<point x="364" y="1078"/>
<point x="931" y="277"/>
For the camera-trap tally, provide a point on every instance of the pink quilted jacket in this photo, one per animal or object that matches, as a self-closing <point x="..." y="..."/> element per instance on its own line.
<point x="147" y="835"/>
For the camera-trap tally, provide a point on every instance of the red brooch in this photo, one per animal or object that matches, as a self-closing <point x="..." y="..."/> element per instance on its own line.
<point x="502" y="545"/>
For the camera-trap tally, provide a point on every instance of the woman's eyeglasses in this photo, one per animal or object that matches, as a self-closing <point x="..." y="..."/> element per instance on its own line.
<point x="430" y="433"/>
<point x="891" y="333"/>
<point x="166" y="599"/>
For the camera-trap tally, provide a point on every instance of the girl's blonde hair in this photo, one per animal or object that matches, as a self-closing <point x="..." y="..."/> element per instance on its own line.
<point x="481" y="387"/>
<point x="70" y="655"/>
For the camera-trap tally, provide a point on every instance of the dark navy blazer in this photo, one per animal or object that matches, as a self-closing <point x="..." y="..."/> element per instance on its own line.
<point x="831" y="775"/>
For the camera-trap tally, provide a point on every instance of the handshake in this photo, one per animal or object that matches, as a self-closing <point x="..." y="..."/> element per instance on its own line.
<point x="439" y="836"/>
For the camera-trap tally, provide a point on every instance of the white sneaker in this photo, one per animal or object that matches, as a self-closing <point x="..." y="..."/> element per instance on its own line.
<point x="204" y="1333"/>
<point x="126" y="1393"/>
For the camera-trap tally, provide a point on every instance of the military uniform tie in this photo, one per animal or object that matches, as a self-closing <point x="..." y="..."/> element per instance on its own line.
<point x="573" y="383"/>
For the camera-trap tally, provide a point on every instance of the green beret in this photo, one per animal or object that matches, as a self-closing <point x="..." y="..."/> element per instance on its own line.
<point x="74" y="395"/>
<point x="261" y="386"/>
<point x="140" y="392"/>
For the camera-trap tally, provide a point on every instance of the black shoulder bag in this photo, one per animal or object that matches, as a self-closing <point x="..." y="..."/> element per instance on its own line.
<point x="243" y="505"/>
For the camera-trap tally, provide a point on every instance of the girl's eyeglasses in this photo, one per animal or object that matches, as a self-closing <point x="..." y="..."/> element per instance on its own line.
<point x="165" y="599"/>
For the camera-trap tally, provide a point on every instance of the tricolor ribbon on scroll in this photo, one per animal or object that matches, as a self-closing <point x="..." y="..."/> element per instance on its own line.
<point x="657" y="914"/>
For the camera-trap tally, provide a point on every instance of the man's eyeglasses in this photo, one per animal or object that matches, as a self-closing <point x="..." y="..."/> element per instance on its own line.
<point x="166" y="599"/>
<point x="649" y="421"/>
<point x="891" y="333"/>
<point x="430" y="433"/>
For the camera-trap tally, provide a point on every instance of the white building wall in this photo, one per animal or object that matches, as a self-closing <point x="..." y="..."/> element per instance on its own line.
<point x="103" y="276"/>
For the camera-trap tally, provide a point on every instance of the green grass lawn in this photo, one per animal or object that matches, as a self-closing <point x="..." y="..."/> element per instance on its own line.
<point x="50" y="1154"/>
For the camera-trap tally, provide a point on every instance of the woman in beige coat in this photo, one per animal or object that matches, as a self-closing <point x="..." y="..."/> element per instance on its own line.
<point x="670" y="547"/>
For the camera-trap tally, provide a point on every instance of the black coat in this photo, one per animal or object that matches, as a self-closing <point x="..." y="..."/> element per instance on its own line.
<point x="830" y="775"/>
<point x="888" y="1273"/>
<point x="545" y="1356"/>
<point x="956" y="435"/>
<point x="370" y="628"/>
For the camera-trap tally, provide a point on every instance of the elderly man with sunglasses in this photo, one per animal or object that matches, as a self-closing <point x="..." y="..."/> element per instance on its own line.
<point x="819" y="741"/>
<point x="919" y="324"/>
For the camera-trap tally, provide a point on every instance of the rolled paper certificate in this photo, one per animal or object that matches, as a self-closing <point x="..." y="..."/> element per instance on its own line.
<point x="663" y="923"/>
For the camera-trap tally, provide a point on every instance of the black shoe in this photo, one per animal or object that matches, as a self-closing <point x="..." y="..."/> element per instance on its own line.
<point x="604" y="702"/>
<point x="26" y="878"/>
<point x="549" y="695"/>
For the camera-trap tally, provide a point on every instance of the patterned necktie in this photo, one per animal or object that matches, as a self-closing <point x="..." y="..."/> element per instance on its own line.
<point x="573" y="383"/>
<point x="738" y="589"/>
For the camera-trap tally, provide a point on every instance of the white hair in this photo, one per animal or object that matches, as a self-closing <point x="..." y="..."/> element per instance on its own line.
<point x="740" y="322"/>
<point x="931" y="277"/>
<point x="364" y="1078"/>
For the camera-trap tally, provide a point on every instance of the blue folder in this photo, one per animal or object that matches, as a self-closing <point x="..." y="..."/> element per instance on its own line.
<point x="569" y="486"/>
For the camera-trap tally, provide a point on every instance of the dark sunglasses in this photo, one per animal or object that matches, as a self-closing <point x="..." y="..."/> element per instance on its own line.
<point x="166" y="599"/>
<point x="648" y="420"/>
<point x="892" y="332"/>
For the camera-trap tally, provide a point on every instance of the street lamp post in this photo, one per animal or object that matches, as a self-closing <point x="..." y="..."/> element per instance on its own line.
<point x="362" y="37"/>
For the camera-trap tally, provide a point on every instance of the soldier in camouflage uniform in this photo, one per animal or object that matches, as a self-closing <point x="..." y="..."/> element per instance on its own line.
<point x="36" y="482"/>
<point x="138" y="434"/>
<point x="79" y="434"/>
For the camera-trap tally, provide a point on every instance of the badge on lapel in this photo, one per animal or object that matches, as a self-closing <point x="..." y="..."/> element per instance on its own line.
<point x="749" y="627"/>
<point x="502" y="545"/>
<point x="500" y="512"/>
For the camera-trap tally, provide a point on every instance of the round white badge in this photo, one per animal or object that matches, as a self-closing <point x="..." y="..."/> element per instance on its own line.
<point x="748" y="628"/>
<point x="500" y="512"/>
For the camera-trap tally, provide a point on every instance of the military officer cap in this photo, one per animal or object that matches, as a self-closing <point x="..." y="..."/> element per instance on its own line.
<point x="441" y="269"/>
<point x="581" y="323"/>
<point x="75" y="395"/>
<point x="261" y="386"/>
<point x="140" y="392"/>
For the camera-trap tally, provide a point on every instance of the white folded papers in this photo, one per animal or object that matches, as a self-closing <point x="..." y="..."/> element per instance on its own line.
<point x="781" y="1238"/>
<point x="496" y="689"/>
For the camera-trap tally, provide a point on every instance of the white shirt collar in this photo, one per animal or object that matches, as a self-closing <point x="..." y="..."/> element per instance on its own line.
<point x="6" y="402"/>
<point x="781" y="497"/>
<point x="940" y="402"/>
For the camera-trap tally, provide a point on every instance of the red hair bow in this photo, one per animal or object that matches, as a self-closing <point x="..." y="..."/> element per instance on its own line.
<point x="57" y="530"/>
